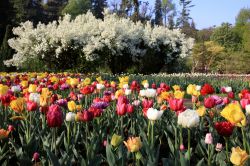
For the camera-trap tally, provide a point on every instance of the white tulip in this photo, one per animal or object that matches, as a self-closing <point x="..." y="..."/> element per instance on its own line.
<point x="127" y="92"/>
<point x="70" y="116"/>
<point x="146" y="85"/>
<point x="247" y="109"/>
<point x="198" y="87"/>
<point x="35" y="97"/>
<point x="188" y="119"/>
<point x="125" y="86"/>
<point x="142" y="93"/>
<point x="228" y="89"/>
<point x="150" y="93"/>
<point x="16" y="88"/>
<point x="99" y="86"/>
<point x="154" y="114"/>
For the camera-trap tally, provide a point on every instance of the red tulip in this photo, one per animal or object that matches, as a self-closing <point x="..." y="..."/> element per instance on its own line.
<point x="31" y="106"/>
<point x="87" y="116"/>
<point x="230" y="95"/>
<point x="133" y="85"/>
<point x="209" y="102"/>
<point x="175" y="104"/>
<point x="130" y="108"/>
<point x="147" y="103"/>
<point x="244" y="102"/>
<point x="95" y="111"/>
<point x="207" y="89"/>
<point x="153" y="86"/>
<point x="226" y="100"/>
<point x="86" y="90"/>
<point x="36" y="156"/>
<point x="54" y="116"/>
<point x="121" y="109"/>
<point x="224" y="128"/>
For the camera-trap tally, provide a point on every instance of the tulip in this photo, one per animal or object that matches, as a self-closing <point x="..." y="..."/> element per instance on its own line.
<point x="54" y="116"/>
<point x="153" y="86"/>
<point x="230" y="95"/>
<point x="238" y="156"/>
<point x="70" y="117"/>
<point x="32" y="88"/>
<point x="218" y="147"/>
<point x="247" y="109"/>
<point x="127" y="92"/>
<point x="182" y="147"/>
<point x="3" y="89"/>
<point x="130" y="109"/>
<point x="244" y="102"/>
<point x="228" y="89"/>
<point x="31" y="106"/>
<point x="116" y="140"/>
<point x="17" y="105"/>
<point x="234" y="114"/>
<point x="34" y="97"/>
<point x="226" y="100"/>
<point x="209" y="102"/>
<point x="84" y="116"/>
<point x="201" y="111"/>
<point x="175" y="104"/>
<point x="207" y="89"/>
<point x="36" y="156"/>
<point x="224" y="129"/>
<point x="154" y="114"/>
<point x="133" y="144"/>
<point x="4" y="134"/>
<point x="150" y="93"/>
<point x="209" y="139"/>
<point x="136" y="103"/>
<point x="189" y="118"/>
<point x="11" y="128"/>
<point x="16" y="89"/>
<point x="72" y="106"/>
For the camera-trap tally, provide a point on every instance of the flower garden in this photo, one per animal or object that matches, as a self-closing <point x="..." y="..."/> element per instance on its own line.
<point x="76" y="119"/>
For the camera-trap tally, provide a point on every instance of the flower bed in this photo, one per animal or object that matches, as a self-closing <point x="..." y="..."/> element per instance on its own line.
<point x="74" y="119"/>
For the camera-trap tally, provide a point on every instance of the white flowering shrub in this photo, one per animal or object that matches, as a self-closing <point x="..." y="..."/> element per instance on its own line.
<point x="91" y="39"/>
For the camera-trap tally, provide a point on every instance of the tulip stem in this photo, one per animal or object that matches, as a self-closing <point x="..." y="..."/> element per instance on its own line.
<point x="189" y="138"/>
<point x="244" y="138"/>
<point x="209" y="155"/>
<point x="148" y="131"/>
<point x="226" y="142"/>
<point x="152" y="134"/>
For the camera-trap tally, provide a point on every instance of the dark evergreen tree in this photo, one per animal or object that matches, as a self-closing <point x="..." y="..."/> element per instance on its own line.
<point x="158" y="12"/>
<point x="53" y="8"/>
<point x="184" y="17"/>
<point x="98" y="7"/>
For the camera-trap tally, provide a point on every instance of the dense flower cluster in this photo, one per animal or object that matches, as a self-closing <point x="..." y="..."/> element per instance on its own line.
<point x="92" y="36"/>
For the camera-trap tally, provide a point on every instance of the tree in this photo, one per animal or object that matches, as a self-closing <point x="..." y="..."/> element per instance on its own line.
<point x="207" y="55"/>
<point x="185" y="12"/>
<point x="53" y="9"/>
<point x="227" y="37"/>
<point x="243" y="17"/>
<point x="76" y="7"/>
<point x="168" y="10"/>
<point x="98" y="7"/>
<point x="158" y="12"/>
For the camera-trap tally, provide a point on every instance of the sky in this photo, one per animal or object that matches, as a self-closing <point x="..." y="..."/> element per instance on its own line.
<point x="207" y="13"/>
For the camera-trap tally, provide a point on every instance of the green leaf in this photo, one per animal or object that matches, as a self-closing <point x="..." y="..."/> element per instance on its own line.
<point x="201" y="163"/>
<point x="110" y="155"/>
<point x="53" y="158"/>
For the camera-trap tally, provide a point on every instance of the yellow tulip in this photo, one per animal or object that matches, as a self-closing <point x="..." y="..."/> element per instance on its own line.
<point x="3" y="89"/>
<point x="78" y="107"/>
<point x="179" y="94"/>
<point x="74" y="82"/>
<point x="118" y="93"/>
<point x="144" y="82"/>
<point x="165" y="95"/>
<point x="87" y="81"/>
<point x="176" y="87"/>
<point x="17" y="105"/>
<point x="116" y="140"/>
<point x="191" y="88"/>
<point x="234" y="114"/>
<point x="71" y="105"/>
<point x="133" y="144"/>
<point x="201" y="111"/>
<point x="24" y="84"/>
<point x="32" y="88"/>
<point x="54" y="79"/>
<point x="99" y="79"/>
<point x="238" y="156"/>
<point x="44" y="100"/>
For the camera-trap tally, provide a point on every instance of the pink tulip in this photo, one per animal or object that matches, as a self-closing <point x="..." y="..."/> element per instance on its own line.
<point x="130" y="108"/>
<point x="244" y="102"/>
<point x="175" y="104"/>
<point x="208" y="138"/>
<point x="226" y="100"/>
<point x="54" y="116"/>
<point x="31" y="106"/>
<point x="36" y="156"/>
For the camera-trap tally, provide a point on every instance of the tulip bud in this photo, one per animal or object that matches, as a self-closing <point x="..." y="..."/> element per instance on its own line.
<point x="218" y="147"/>
<point x="153" y="86"/>
<point x="208" y="138"/>
<point x="182" y="147"/>
<point x="36" y="156"/>
<point x="116" y="140"/>
<point x="130" y="108"/>
<point x="11" y="128"/>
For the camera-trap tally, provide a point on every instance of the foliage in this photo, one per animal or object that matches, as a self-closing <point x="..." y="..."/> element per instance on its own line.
<point x="86" y="37"/>
<point x="158" y="12"/>
<point x="76" y="7"/>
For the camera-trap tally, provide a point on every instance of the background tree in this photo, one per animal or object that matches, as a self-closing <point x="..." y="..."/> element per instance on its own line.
<point x="184" y="17"/>
<point x="98" y="7"/>
<point x="158" y="12"/>
<point x="76" y="7"/>
<point x="53" y="9"/>
<point x="169" y="11"/>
